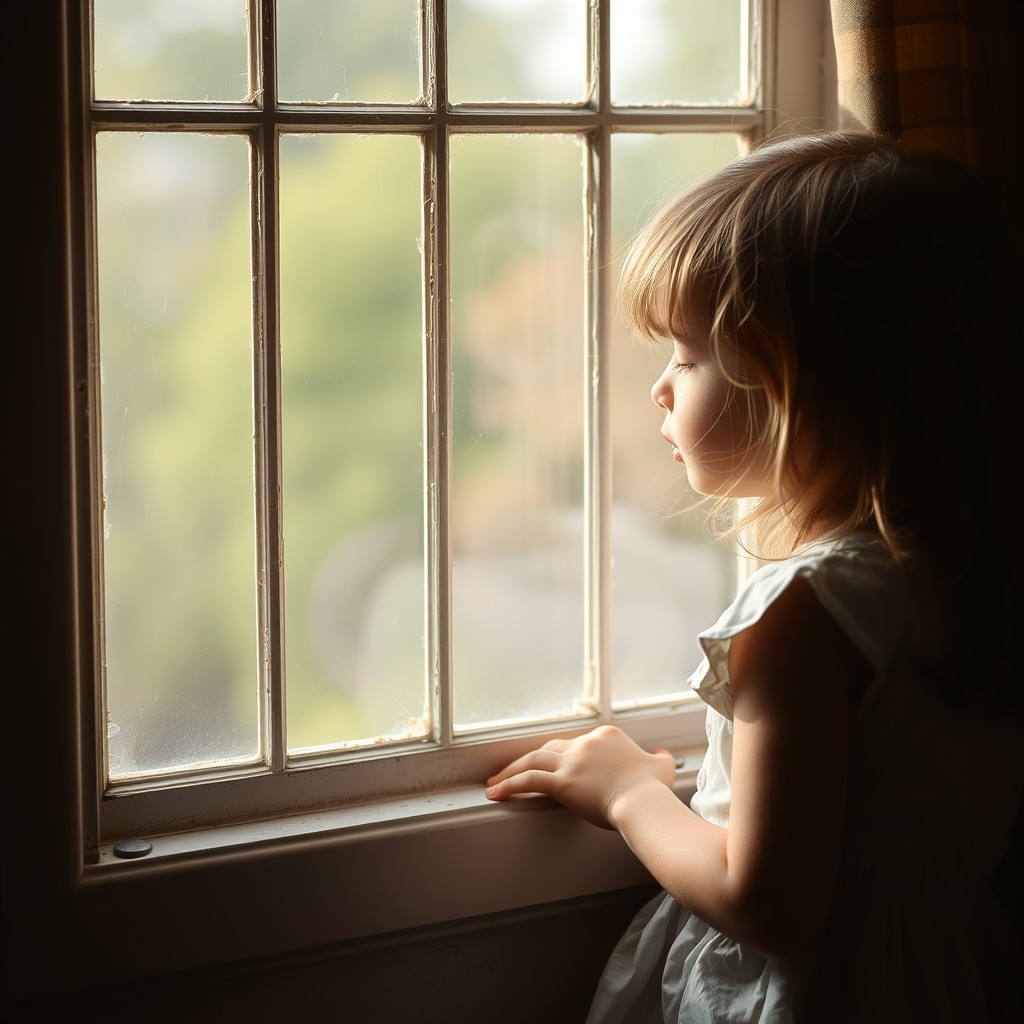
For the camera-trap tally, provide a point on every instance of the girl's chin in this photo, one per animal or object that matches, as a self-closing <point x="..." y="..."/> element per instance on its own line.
<point x="705" y="487"/>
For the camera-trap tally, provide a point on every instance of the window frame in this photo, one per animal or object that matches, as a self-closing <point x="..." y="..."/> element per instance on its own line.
<point x="68" y="902"/>
<point x="283" y="780"/>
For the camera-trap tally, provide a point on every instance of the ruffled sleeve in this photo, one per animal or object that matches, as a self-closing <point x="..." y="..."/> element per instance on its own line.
<point x="845" y="576"/>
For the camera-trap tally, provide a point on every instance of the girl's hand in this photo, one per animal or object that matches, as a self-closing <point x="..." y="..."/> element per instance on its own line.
<point x="587" y="774"/>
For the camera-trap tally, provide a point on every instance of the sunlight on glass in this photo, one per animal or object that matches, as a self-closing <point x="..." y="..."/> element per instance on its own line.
<point x="670" y="582"/>
<point x="680" y="51"/>
<point x="517" y="436"/>
<point x="331" y="52"/>
<point x="352" y="411"/>
<point x="177" y="420"/>
<point x="171" y="50"/>
<point x="527" y="51"/>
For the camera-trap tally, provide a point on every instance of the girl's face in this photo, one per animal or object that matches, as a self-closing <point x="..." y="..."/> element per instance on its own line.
<point x="706" y="424"/>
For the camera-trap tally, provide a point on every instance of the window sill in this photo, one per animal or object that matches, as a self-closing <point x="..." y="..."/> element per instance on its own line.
<point x="384" y="820"/>
<point x="342" y="876"/>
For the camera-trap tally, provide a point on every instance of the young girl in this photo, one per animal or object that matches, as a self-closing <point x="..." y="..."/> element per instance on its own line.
<point x="834" y="306"/>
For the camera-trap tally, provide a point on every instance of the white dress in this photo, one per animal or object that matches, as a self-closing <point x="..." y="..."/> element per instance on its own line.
<point x="914" y="935"/>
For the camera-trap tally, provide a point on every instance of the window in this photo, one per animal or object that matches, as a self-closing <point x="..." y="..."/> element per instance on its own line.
<point x="369" y="439"/>
<point x="260" y="473"/>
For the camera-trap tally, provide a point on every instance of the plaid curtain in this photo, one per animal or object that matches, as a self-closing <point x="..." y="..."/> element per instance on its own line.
<point x="936" y="73"/>
<point x="940" y="75"/>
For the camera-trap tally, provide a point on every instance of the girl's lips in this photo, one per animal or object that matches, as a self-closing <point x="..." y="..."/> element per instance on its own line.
<point x="676" y="453"/>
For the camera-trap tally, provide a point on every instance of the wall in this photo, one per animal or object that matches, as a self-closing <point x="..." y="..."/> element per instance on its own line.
<point x="533" y="967"/>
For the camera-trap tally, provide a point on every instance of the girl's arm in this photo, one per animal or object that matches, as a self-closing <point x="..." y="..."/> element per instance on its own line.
<point x="767" y="880"/>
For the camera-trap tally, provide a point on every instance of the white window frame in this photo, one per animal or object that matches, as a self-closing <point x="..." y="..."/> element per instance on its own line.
<point x="356" y="871"/>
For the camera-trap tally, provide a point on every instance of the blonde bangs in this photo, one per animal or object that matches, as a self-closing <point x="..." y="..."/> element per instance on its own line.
<point x="664" y="286"/>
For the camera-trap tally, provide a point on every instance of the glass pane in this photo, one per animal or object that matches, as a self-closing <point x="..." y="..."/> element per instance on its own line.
<point x="352" y="394"/>
<point x="528" y="51"/>
<point x="670" y="582"/>
<point x="330" y="51"/>
<point x="517" y="435"/>
<point x="680" y="51"/>
<point x="171" y="50"/>
<point x="177" y="418"/>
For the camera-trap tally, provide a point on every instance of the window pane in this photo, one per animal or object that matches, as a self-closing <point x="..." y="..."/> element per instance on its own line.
<point x="669" y="581"/>
<point x="177" y="420"/>
<point x="518" y="385"/>
<point x="352" y="387"/>
<point x="171" y="50"/>
<point x="526" y="51"/>
<point x="330" y="51"/>
<point x="680" y="51"/>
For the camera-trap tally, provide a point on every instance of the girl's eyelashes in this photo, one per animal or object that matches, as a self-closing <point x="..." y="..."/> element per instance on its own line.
<point x="682" y="355"/>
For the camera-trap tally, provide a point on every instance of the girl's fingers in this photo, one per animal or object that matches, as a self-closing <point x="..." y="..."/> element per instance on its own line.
<point x="545" y="758"/>
<point x="533" y="780"/>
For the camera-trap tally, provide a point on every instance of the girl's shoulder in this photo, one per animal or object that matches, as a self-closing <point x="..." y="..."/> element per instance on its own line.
<point x="854" y="579"/>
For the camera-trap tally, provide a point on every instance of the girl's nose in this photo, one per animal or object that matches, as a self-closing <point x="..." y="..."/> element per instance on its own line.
<point x="661" y="393"/>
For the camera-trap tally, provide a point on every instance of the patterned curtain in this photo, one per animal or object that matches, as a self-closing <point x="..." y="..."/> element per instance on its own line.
<point x="940" y="75"/>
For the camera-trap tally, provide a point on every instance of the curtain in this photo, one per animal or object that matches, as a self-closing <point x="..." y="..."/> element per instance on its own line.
<point x="940" y="75"/>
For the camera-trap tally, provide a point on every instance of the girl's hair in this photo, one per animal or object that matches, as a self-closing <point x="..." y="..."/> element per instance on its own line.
<point x="863" y="288"/>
